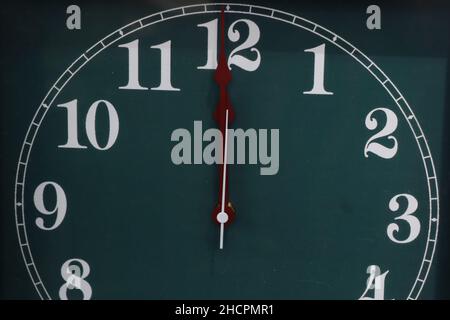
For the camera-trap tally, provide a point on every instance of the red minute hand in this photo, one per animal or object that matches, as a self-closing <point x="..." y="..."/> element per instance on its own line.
<point x="224" y="115"/>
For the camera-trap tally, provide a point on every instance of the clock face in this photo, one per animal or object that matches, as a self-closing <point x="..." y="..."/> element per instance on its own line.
<point x="328" y="176"/>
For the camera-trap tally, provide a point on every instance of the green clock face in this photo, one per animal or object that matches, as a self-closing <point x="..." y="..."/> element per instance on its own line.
<point x="145" y="174"/>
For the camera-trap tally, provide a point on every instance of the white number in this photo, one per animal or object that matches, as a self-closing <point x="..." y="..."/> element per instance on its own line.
<point x="165" y="84"/>
<point x="414" y="223"/>
<point x="375" y="282"/>
<point x="252" y="39"/>
<point x="133" y="66"/>
<point x="319" y="70"/>
<point x="72" y="125"/>
<point x="389" y="128"/>
<point x="113" y="125"/>
<point x="74" y="272"/>
<point x="234" y="36"/>
<point x="211" y="58"/>
<point x="60" y="205"/>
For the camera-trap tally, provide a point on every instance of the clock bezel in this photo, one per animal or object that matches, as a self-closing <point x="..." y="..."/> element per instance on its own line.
<point x="139" y="24"/>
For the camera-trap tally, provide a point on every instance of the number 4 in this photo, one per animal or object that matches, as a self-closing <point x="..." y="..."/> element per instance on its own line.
<point x="375" y="282"/>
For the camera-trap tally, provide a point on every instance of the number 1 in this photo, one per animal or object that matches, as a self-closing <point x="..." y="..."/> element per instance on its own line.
<point x="319" y="71"/>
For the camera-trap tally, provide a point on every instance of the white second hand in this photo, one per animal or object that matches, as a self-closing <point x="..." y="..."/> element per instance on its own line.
<point x="225" y="161"/>
<point x="224" y="173"/>
<point x="221" y="235"/>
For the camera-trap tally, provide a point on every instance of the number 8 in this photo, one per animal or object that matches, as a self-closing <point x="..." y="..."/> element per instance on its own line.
<point x="74" y="277"/>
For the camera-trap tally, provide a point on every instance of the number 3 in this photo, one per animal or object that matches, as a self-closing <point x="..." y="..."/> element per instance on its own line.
<point x="414" y="223"/>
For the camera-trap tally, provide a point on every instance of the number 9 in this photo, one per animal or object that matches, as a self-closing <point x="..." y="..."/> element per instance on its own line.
<point x="60" y="205"/>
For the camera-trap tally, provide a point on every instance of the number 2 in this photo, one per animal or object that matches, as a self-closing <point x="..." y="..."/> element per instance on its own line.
<point x="389" y="128"/>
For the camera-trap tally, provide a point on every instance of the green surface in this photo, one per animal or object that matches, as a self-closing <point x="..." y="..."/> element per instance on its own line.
<point x="144" y="225"/>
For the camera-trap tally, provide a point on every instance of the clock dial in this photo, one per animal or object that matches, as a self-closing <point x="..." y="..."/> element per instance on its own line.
<point x="118" y="173"/>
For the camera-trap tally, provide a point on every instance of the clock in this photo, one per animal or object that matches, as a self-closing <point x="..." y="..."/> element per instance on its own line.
<point x="228" y="151"/>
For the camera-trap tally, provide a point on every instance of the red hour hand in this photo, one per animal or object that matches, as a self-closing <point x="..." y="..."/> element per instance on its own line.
<point x="224" y="115"/>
